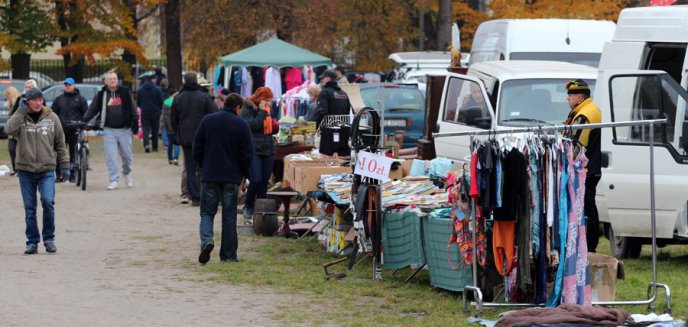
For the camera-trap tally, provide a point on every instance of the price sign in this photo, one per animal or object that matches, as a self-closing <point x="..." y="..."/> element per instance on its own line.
<point x="373" y="165"/>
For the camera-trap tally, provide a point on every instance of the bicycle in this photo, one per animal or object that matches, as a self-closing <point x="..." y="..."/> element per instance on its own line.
<point x="81" y="159"/>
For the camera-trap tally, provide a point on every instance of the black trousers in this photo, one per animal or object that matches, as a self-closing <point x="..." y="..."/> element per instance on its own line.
<point x="12" y="148"/>
<point x="191" y="171"/>
<point x="592" y="225"/>
<point x="151" y="126"/>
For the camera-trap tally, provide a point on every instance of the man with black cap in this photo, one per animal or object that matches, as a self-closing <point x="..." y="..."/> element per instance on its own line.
<point x="332" y="100"/>
<point x="41" y="144"/>
<point x="584" y="111"/>
<point x="150" y="100"/>
<point x="70" y="106"/>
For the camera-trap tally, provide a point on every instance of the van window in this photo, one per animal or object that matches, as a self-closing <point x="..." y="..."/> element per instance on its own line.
<point x="465" y="104"/>
<point x="482" y="56"/>
<point x="532" y="102"/>
<point x="581" y="58"/>
<point x="655" y="97"/>
<point x="667" y="57"/>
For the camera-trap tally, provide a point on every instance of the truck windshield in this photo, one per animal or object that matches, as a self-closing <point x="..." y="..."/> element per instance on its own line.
<point x="531" y="102"/>
<point x="582" y="58"/>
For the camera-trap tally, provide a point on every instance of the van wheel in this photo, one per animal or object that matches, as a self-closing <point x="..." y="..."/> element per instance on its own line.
<point x="624" y="247"/>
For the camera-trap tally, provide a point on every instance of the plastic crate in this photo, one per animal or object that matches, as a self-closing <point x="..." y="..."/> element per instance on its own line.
<point x="436" y="232"/>
<point x="402" y="242"/>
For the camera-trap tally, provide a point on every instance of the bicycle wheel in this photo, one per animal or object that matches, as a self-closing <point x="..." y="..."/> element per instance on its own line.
<point x="83" y="167"/>
<point x="77" y="168"/>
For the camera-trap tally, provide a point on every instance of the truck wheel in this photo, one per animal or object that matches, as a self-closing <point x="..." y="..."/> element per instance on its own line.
<point x="624" y="247"/>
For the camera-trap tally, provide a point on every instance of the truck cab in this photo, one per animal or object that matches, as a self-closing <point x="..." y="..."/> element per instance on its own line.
<point x="642" y="75"/>
<point x="504" y="94"/>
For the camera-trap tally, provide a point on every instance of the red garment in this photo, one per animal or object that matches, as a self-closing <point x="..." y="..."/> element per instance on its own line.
<point x="474" y="193"/>
<point x="293" y="78"/>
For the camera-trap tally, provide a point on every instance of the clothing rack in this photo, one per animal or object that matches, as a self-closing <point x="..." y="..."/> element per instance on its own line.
<point x="652" y="287"/>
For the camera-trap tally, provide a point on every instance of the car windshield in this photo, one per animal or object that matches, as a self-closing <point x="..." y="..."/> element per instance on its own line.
<point x="396" y="99"/>
<point x="53" y="92"/>
<point x="530" y="102"/>
<point x="581" y="58"/>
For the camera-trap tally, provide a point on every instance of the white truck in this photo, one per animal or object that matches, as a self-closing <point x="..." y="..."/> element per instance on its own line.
<point x="503" y="94"/>
<point x="643" y="75"/>
<point x="572" y="40"/>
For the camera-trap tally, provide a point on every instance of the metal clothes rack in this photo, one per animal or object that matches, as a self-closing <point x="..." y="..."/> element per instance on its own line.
<point x="652" y="287"/>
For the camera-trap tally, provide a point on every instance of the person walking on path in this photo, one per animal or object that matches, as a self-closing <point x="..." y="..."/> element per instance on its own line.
<point x="119" y="119"/>
<point x="19" y="102"/>
<point x="172" y="149"/>
<point x="223" y="148"/>
<point x="584" y="111"/>
<point x="41" y="144"/>
<point x="150" y="100"/>
<point x="188" y="108"/>
<point x="256" y="112"/>
<point x="70" y="106"/>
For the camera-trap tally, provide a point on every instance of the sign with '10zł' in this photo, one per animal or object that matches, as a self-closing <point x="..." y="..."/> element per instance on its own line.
<point x="373" y="165"/>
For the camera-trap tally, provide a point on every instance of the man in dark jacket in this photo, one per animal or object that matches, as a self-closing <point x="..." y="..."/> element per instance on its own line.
<point x="223" y="148"/>
<point x="150" y="99"/>
<point x="332" y="100"/>
<point x="188" y="108"/>
<point x="119" y="119"/>
<point x="70" y="106"/>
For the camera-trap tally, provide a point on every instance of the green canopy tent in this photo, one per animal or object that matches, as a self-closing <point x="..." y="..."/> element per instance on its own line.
<point x="274" y="52"/>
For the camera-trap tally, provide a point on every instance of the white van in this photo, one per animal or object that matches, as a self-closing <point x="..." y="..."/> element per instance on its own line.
<point x="653" y="39"/>
<point x="504" y="94"/>
<point x="571" y="40"/>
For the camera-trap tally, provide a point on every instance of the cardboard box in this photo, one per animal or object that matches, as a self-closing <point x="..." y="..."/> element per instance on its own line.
<point x="293" y="161"/>
<point x="406" y="167"/>
<point x="604" y="271"/>
<point x="306" y="177"/>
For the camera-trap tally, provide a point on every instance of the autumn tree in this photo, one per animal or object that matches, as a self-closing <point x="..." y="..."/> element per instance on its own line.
<point x="24" y="28"/>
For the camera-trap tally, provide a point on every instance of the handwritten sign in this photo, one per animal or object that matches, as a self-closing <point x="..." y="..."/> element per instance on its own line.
<point x="373" y="165"/>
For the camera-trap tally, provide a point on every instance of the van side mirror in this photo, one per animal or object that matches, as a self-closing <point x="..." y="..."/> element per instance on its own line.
<point x="683" y="140"/>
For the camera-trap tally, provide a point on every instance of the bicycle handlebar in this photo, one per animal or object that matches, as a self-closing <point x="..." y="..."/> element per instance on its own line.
<point x="79" y="124"/>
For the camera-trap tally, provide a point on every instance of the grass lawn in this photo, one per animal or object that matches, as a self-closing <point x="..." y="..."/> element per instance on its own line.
<point x="294" y="266"/>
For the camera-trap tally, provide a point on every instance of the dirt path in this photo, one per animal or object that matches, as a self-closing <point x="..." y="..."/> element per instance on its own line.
<point x="122" y="260"/>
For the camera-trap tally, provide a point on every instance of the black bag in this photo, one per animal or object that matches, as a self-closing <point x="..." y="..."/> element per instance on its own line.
<point x="335" y="139"/>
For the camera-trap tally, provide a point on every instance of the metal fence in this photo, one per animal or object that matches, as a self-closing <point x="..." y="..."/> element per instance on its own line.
<point x="54" y="68"/>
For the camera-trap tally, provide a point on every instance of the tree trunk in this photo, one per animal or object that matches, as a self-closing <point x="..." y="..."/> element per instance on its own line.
<point x="21" y="65"/>
<point x="444" y="24"/>
<point x="173" y="41"/>
<point x="75" y="71"/>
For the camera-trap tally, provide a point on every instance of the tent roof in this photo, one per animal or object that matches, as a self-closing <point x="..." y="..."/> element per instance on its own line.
<point x="274" y="52"/>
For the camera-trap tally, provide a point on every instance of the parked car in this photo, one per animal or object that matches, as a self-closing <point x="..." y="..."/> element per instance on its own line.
<point x="577" y="41"/>
<point x="404" y="108"/>
<point x="504" y="94"/>
<point x="87" y="90"/>
<point x="4" y="111"/>
<point x="42" y="80"/>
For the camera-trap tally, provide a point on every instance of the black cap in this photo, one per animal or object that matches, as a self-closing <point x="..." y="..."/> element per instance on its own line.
<point x="329" y="73"/>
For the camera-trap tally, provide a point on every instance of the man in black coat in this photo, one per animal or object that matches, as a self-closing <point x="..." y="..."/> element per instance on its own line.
<point x="70" y="106"/>
<point x="188" y="108"/>
<point x="332" y="99"/>
<point x="223" y="148"/>
<point x="150" y="99"/>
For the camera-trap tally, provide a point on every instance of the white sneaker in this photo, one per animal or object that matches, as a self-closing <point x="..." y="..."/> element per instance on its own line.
<point x="128" y="181"/>
<point x="113" y="186"/>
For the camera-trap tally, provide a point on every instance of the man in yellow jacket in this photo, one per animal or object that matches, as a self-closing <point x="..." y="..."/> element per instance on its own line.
<point x="584" y="111"/>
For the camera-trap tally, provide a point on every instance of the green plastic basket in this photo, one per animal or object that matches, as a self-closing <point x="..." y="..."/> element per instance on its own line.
<point x="436" y="233"/>
<point x="402" y="243"/>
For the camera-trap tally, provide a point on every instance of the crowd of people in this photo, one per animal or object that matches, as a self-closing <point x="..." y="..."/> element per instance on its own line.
<point x="226" y="140"/>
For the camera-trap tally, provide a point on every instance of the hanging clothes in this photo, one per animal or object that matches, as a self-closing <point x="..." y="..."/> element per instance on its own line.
<point x="245" y="82"/>
<point x="273" y="81"/>
<point x="257" y="79"/>
<point x="293" y="78"/>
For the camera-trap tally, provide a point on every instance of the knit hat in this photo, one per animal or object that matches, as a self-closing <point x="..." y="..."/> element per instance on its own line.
<point x="577" y="87"/>
<point x="329" y="73"/>
<point x="34" y="93"/>
<point x="262" y="93"/>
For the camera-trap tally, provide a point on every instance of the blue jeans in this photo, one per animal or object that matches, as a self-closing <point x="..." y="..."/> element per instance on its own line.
<point x="261" y="169"/>
<point x="211" y="195"/>
<point x="172" y="150"/>
<point x="117" y="140"/>
<point x="44" y="183"/>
